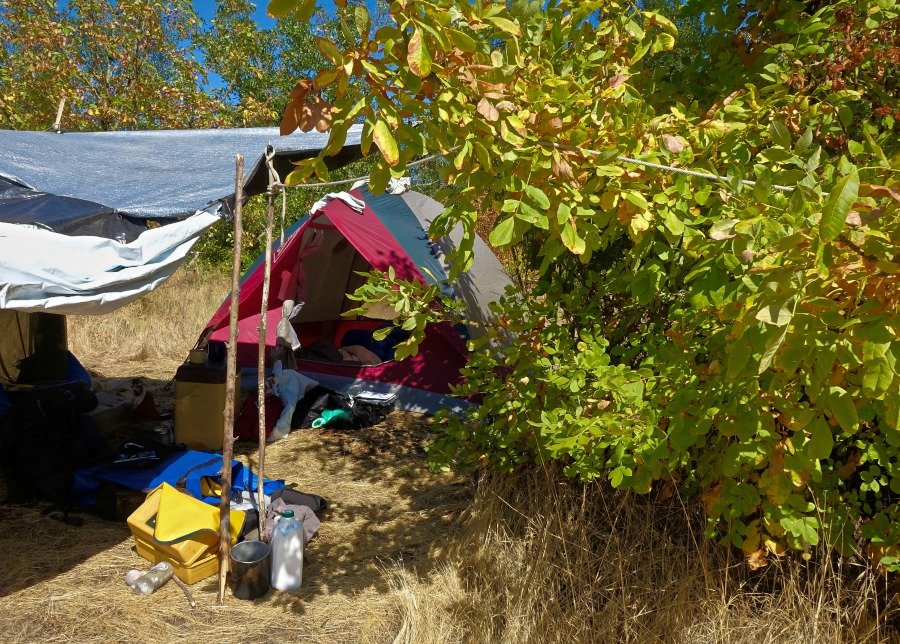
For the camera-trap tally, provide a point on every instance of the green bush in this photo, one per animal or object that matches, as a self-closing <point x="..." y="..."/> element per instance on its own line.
<point x="732" y="338"/>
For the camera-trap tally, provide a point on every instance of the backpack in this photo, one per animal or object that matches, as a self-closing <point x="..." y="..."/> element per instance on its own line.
<point x="319" y="398"/>
<point x="44" y="438"/>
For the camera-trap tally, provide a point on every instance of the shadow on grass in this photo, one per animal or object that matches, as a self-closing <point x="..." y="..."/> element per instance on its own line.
<point x="36" y="546"/>
<point x="395" y="510"/>
<point x="385" y="507"/>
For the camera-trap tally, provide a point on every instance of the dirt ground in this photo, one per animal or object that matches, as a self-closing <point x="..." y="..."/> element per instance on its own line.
<point x="63" y="583"/>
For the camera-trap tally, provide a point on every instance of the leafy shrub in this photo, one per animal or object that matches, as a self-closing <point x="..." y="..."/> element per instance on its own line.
<point x="737" y="336"/>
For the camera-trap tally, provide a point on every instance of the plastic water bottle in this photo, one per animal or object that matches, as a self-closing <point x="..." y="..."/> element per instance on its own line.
<point x="153" y="578"/>
<point x="287" y="552"/>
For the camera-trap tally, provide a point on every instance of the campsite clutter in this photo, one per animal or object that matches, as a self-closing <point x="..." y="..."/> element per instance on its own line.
<point x="279" y="354"/>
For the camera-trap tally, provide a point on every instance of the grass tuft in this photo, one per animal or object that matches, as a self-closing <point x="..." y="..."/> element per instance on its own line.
<point x="538" y="558"/>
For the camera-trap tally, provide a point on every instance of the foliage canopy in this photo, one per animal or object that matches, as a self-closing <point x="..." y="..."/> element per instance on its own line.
<point x="734" y="338"/>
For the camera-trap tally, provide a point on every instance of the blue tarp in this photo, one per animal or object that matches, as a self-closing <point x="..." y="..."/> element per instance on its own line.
<point x="185" y="470"/>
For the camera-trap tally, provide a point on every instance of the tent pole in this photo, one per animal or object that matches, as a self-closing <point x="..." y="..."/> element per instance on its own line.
<point x="231" y="372"/>
<point x="261" y="362"/>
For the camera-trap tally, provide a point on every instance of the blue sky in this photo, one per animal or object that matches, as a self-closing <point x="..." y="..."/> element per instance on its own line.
<point x="206" y="8"/>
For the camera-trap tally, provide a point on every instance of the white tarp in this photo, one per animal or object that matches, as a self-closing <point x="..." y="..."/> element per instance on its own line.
<point x="161" y="175"/>
<point x="45" y="271"/>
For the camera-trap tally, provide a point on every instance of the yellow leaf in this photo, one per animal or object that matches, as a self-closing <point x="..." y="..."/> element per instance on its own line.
<point x="386" y="143"/>
<point x="417" y="55"/>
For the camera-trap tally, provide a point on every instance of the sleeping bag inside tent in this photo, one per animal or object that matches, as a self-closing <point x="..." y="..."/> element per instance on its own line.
<point x="317" y="265"/>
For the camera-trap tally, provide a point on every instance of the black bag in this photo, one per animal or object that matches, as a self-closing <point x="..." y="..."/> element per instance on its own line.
<point x="44" y="438"/>
<point x="319" y="399"/>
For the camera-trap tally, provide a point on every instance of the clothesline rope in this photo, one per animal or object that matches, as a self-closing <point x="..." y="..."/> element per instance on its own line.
<point x="623" y="159"/>
<point x="341" y="182"/>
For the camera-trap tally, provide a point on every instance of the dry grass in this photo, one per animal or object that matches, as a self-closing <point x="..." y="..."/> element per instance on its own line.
<point x="409" y="556"/>
<point x="65" y="583"/>
<point x="163" y="325"/>
<point x="539" y="559"/>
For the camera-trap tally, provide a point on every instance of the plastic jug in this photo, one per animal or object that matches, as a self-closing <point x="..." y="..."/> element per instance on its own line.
<point x="287" y="552"/>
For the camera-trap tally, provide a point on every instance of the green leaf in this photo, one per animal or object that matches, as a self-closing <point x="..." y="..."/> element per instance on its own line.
<point x="774" y="314"/>
<point x="386" y="143"/>
<point x="821" y="440"/>
<point x="537" y="196"/>
<point x="842" y="408"/>
<point x="878" y="366"/>
<point x="780" y="134"/>
<point x="281" y="8"/>
<point x="618" y="475"/>
<point x="502" y="233"/>
<point x="326" y="77"/>
<point x="723" y="229"/>
<point x="672" y="223"/>
<point x="837" y="206"/>
<point x="329" y="50"/>
<point x="571" y="239"/>
<point x="504" y="24"/>
<point x="845" y="115"/>
<point x="417" y="55"/>
<point x="804" y="142"/>
<point x="462" y="40"/>
<point x="771" y="348"/>
<point x="362" y="20"/>
<point x="305" y="10"/>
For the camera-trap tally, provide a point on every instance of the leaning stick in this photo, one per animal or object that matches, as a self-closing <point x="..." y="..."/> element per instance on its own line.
<point x="187" y="591"/>
<point x="261" y="362"/>
<point x="231" y="372"/>
<point x="57" y="124"/>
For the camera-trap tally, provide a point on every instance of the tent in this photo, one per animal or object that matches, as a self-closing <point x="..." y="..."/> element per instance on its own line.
<point x="90" y="221"/>
<point x="317" y="265"/>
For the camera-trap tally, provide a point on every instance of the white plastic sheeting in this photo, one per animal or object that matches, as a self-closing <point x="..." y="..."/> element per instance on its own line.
<point x="162" y="175"/>
<point x="45" y="271"/>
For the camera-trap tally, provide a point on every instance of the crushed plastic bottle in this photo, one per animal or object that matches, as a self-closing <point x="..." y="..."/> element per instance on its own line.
<point x="153" y="578"/>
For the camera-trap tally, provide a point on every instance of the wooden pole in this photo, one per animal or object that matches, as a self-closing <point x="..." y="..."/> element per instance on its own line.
<point x="231" y="372"/>
<point x="261" y="362"/>
<point x="57" y="124"/>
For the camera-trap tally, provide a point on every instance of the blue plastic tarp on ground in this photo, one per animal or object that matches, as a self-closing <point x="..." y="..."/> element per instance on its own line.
<point x="185" y="470"/>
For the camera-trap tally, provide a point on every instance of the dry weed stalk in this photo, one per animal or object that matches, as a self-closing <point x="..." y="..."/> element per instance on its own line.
<point x="540" y="559"/>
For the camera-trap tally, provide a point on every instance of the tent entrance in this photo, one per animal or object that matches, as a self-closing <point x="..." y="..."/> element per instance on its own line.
<point x="327" y="269"/>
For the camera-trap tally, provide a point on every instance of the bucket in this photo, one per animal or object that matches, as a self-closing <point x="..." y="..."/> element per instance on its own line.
<point x="250" y="569"/>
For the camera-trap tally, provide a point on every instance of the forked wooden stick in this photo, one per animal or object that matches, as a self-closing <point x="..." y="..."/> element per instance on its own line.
<point x="231" y="370"/>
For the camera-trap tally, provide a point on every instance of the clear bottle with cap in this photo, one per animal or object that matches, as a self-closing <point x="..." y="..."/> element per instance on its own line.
<point x="287" y="552"/>
<point x="152" y="579"/>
